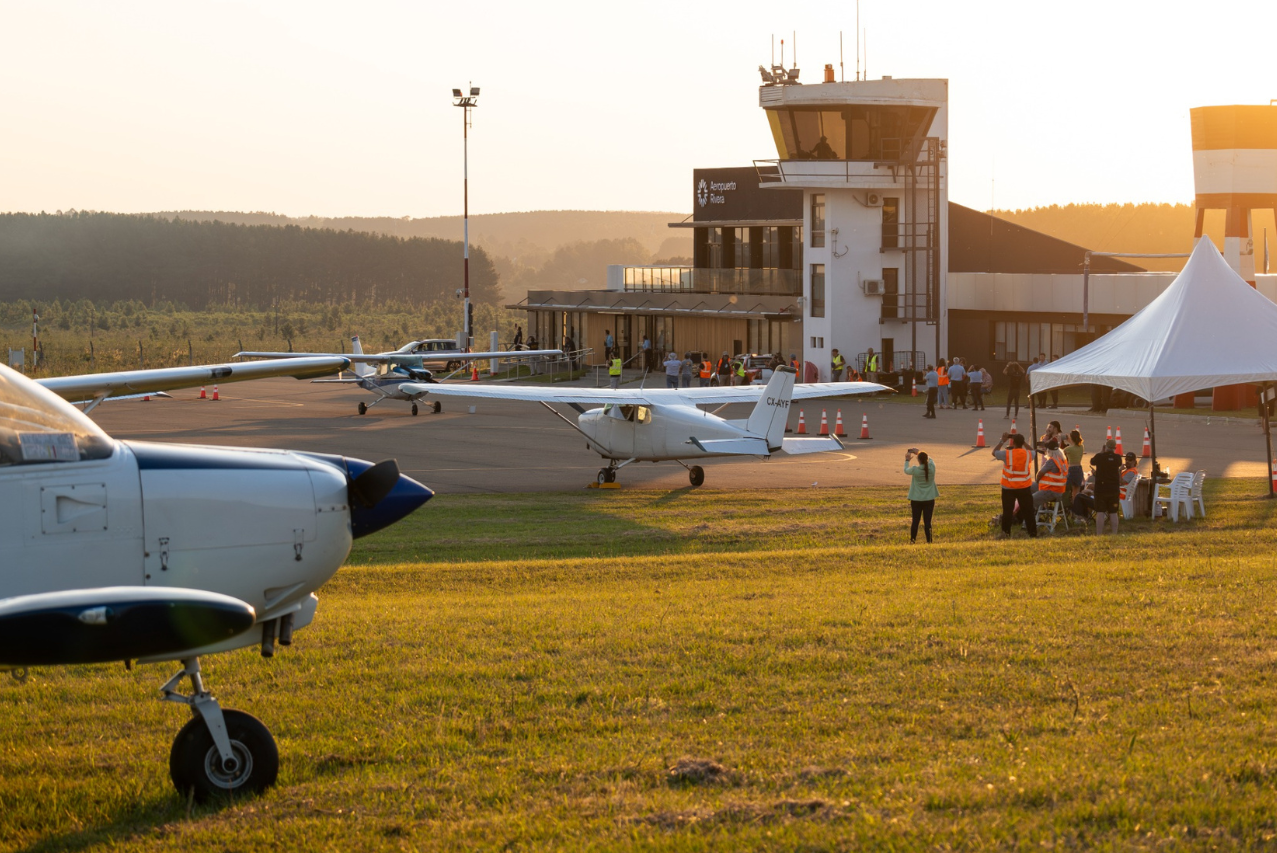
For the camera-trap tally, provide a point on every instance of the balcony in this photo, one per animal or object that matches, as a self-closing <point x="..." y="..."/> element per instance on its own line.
<point x="680" y="279"/>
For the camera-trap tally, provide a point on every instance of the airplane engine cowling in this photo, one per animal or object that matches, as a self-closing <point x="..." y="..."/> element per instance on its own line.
<point x="114" y="623"/>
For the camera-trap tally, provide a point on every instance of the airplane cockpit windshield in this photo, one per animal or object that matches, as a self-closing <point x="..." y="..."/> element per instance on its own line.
<point x="38" y="426"/>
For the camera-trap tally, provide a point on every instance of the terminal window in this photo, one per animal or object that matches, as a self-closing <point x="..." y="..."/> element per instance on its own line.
<point x="740" y="248"/>
<point x="771" y="247"/>
<point x="891" y="223"/>
<point x="890" y="293"/>
<point x="817" y="290"/>
<point x="817" y="220"/>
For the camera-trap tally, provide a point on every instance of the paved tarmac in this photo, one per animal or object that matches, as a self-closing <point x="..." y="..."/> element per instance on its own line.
<point x="520" y="447"/>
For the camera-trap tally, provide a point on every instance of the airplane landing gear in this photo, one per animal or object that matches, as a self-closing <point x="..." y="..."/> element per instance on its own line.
<point x="217" y="752"/>
<point x="414" y="410"/>
<point x="607" y="475"/>
<point x="363" y="408"/>
<point x="696" y="474"/>
<point x="437" y="408"/>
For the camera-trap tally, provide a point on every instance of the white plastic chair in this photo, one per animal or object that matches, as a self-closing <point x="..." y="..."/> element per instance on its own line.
<point x="1195" y="492"/>
<point x="1179" y="490"/>
<point x="1052" y="513"/>
<point x="1128" y="505"/>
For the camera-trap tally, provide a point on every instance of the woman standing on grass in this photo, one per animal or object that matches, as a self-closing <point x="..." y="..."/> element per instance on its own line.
<point x="1074" y="453"/>
<point x="922" y="492"/>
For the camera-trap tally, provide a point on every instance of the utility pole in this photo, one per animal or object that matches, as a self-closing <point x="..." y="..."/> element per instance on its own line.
<point x="466" y="102"/>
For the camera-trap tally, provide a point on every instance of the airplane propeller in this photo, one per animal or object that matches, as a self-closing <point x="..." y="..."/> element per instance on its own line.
<point x="379" y="495"/>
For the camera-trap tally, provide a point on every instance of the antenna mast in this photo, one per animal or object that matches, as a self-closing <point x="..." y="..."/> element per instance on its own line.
<point x="842" y="75"/>
<point x="857" y="39"/>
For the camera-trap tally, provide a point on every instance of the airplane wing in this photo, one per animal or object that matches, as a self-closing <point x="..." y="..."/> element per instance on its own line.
<point x="638" y="396"/>
<point x="405" y="357"/>
<point x="99" y="386"/>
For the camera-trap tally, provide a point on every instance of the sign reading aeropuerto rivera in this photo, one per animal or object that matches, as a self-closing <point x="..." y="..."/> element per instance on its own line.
<point x="733" y="195"/>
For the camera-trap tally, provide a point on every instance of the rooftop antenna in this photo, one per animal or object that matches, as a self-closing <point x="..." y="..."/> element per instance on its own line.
<point x="857" y="39"/>
<point x="866" y="53"/>
<point x="795" y="48"/>
<point x="773" y="50"/>
<point x="842" y="76"/>
<point x="782" y="53"/>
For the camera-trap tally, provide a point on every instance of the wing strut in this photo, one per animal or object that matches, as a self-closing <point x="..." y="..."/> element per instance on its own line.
<point x="560" y="416"/>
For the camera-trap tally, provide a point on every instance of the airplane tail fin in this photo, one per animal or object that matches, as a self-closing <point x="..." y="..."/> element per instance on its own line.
<point x="771" y="412"/>
<point x="361" y="369"/>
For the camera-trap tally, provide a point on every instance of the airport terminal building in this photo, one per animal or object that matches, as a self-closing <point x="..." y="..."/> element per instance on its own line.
<point x="847" y="239"/>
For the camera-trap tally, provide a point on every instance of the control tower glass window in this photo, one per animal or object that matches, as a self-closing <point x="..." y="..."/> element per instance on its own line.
<point x="854" y="132"/>
<point x="817" y="220"/>
<point x="714" y="249"/>
<point x="771" y="247"/>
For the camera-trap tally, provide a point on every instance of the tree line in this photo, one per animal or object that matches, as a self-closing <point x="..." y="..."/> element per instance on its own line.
<point x="111" y="257"/>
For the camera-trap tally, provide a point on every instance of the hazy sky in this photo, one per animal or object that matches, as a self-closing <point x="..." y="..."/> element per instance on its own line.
<point x="331" y="109"/>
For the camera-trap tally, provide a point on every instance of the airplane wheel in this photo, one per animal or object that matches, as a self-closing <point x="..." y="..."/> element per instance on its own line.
<point x="603" y="474"/>
<point x="194" y="762"/>
<point x="363" y="408"/>
<point x="696" y="474"/>
<point x="414" y="410"/>
<point x="438" y="407"/>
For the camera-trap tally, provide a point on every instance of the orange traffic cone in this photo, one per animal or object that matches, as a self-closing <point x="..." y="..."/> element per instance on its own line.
<point x="1147" y="450"/>
<point x="979" y="434"/>
<point x="1108" y="436"/>
<point x="802" y="424"/>
<point x="215" y="395"/>
<point x="1275" y="474"/>
<point x="1013" y="426"/>
<point x="838" y="430"/>
<point x="203" y="393"/>
<point x="864" y="426"/>
<point x="474" y="371"/>
<point x="824" y="423"/>
<point x="915" y="386"/>
<point x="1119" y="441"/>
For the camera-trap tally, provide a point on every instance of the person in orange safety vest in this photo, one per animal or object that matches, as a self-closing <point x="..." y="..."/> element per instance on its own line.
<point x="1017" y="484"/>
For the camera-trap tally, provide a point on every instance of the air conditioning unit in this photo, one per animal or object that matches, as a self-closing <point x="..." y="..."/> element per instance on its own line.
<point x="872" y="286"/>
<point x="873" y="200"/>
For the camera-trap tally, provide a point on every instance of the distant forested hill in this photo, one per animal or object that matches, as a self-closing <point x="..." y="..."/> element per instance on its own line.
<point x="107" y="256"/>
<point x="1146" y="228"/>
<point x="528" y="238"/>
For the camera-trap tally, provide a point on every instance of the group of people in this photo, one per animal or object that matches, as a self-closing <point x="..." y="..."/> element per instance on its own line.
<point x="1060" y="478"/>
<point x="950" y="384"/>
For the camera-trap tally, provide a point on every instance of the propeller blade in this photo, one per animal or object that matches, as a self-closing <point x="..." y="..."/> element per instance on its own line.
<point x="371" y="487"/>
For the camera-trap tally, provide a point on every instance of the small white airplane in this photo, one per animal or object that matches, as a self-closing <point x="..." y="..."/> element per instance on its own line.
<point x="133" y="551"/>
<point x="664" y="424"/>
<point x="402" y="366"/>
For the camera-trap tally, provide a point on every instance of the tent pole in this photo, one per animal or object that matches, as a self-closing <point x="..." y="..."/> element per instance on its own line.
<point x="1268" y="435"/>
<point x="1152" y="440"/>
<point x="1033" y="430"/>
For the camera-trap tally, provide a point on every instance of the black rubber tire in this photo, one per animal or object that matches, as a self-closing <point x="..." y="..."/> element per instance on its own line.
<point x="611" y="475"/>
<point x="696" y="474"/>
<point x="452" y="365"/>
<point x="602" y="478"/>
<point x="195" y="765"/>
<point x="438" y="407"/>
<point x="414" y="410"/>
<point x="363" y="408"/>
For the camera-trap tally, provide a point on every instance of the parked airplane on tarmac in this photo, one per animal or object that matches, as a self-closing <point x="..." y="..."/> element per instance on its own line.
<point x="404" y="365"/>
<point x="655" y="425"/>
<point x="133" y="551"/>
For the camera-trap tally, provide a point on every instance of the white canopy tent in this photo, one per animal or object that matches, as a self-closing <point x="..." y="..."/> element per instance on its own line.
<point x="1208" y="328"/>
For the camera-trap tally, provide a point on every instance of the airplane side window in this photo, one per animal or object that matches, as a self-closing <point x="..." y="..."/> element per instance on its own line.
<point x="644" y="415"/>
<point x="627" y="412"/>
<point x="38" y="426"/>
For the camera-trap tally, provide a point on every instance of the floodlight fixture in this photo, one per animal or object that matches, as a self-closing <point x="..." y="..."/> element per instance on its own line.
<point x="474" y="91"/>
<point x="456" y="93"/>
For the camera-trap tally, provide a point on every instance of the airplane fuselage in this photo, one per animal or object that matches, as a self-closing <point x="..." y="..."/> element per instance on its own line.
<point x="655" y="433"/>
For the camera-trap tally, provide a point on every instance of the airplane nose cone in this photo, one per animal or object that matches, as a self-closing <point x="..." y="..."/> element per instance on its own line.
<point x="404" y="497"/>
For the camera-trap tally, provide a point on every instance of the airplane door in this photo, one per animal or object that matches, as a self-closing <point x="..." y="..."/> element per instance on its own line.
<point x="71" y="525"/>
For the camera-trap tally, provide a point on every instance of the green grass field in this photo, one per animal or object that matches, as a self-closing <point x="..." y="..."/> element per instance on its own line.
<point x="700" y="671"/>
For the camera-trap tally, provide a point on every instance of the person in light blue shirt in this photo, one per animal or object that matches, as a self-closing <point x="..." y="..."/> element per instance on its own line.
<point x="957" y="384"/>
<point x="922" y="492"/>
<point x="673" y="365"/>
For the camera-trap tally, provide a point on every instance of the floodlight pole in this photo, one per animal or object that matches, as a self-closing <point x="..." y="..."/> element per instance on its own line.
<point x="466" y="102"/>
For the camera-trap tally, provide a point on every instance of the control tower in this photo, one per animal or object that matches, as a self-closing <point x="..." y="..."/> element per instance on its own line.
<point x="1235" y="169"/>
<point x="870" y="158"/>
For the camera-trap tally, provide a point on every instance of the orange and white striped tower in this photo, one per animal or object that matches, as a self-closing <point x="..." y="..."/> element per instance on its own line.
<point x="979" y="434"/>
<point x="1235" y="170"/>
<point x="838" y="430"/>
<point x="802" y="424"/>
<point x="824" y="423"/>
<point x="864" y="426"/>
